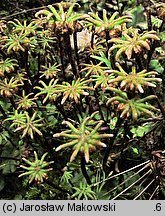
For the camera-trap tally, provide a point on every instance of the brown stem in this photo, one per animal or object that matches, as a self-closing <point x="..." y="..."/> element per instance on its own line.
<point x="148" y="13"/>
<point x="13" y="103"/>
<point x="161" y="28"/>
<point x="39" y="63"/>
<point x="111" y="143"/>
<point x="84" y="171"/>
<point x="97" y="101"/>
<point x="107" y="39"/>
<point x="61" y="57"/>
<point x="76" y="50"/>
<point x="92" y="37"/>
<point x="60" y="109"/>
<point x="70" y="54"/>
<point x="158" y="102"/>
<point x="27" y="63"/>
<point x="151" y="51"/>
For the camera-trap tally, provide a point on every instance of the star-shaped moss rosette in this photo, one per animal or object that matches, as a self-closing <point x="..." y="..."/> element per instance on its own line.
<point x="37" y="169"/>
<point x="51" y="71"/>
<point x="9" y="87"/>
<point x="134" y="80"/>
<point x="84" y="192"/>
<point x="133" y="107"/>
<point x="133" y="43"/>
<point x="63" y="19"/>
<point x="18" y="43"/>
<point x="16" y="118"/>
<point x="92" y="69"/>
<point x="83" y="138"/>
<point x="7" y="65"/>
<point x="29" y="125"/>
<point x="24" y="29"/>
<point x="74" y="90"/>
<point x="102" y="79"/>
<point x="26" y="101"/>
<point x="106" y="23"/>
<point x="48" y="91"/>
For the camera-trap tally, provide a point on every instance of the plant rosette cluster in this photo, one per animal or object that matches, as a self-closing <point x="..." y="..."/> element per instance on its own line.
<point x="133" y="108"/>
<point x="84" y="138"/>
<point x="132" y="42"/>
<point x="106" y="24"/>
<point x="37" y="169"/>
<point x="134" y="81"/>
<point x="62" y="20"/>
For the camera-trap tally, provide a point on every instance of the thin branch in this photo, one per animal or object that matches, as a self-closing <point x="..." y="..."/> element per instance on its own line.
<point x="126" y="180"/>
<point x="132" y="168"/>
<point x="144" y="190"/>
<point x="154" y="192"/>
<point x="118" y="124"/>
<point x="149" y="171"/>
<point x="128" y="170"/>
<point x="24" y="11"/>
